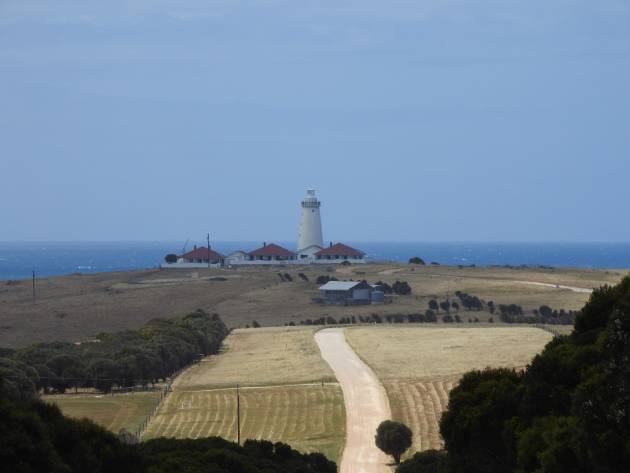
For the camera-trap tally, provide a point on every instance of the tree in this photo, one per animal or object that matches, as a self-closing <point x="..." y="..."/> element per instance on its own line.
<point x="433" y="305"/>
<point x="416" y="260"/>
<point x="401" y="288"/>
<point x="445" y="306"/>
<point x="429" y="461"/>
<point x="393" y="438"/>
<point x="171" y="258"/>
<point x="477" y="421"/>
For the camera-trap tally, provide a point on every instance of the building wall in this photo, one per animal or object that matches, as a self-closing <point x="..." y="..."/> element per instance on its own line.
<point x="361" y="294"/>
<point x="184" y="265"/>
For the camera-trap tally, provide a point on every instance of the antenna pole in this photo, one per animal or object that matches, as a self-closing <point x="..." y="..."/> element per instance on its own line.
<point x="238" y="417"/>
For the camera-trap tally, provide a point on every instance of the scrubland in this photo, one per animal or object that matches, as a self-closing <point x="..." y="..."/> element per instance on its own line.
<point x="75" y="307"/>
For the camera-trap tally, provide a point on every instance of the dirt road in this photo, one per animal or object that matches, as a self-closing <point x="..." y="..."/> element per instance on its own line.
<point x="557" y="286"/>
<point x="365" y="401"/>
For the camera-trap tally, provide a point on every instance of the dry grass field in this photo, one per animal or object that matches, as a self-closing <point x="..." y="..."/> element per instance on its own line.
<point x="112" y="412"/>
<point x="260" y="357"/>
<point x="309" y="418"/>
<point x="284" y="401"/>
<point x="78" y="306"/>
<point x="418" y="366"/>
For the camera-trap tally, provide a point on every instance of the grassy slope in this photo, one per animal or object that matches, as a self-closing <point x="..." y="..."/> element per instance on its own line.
<point x="76" y="307"/>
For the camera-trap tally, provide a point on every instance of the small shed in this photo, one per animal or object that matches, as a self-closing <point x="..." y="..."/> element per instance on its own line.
<point x="346" y="292"/>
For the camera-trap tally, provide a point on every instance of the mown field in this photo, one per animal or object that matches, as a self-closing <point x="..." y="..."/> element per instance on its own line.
<point x="418" y="366"/>
<point x="280" y="371"/>
<point x="308" y="417"/>
<point x="114" y="412"/>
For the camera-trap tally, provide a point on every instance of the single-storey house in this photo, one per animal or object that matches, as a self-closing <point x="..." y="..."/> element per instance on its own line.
<point x="272" y="253"/>
<point x="201" y="255"/>
<point x="339" y="251"/>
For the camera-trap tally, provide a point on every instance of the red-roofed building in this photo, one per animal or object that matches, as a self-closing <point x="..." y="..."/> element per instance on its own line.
<point x="271" y="252"/>
<point x="201" y="255"/>
<point x="339" y="251"/>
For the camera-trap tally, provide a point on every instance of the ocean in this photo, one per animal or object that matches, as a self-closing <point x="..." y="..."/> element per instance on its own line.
<point x="19" y="259"/>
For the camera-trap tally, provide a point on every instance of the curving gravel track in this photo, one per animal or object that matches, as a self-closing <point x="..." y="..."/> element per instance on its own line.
<point x="365" y="401"/>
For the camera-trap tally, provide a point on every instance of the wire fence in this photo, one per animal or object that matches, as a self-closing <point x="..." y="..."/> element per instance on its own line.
<point x="168" y="387"/>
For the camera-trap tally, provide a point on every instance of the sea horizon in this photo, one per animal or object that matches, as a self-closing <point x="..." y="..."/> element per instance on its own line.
<point x="18" y="259"/>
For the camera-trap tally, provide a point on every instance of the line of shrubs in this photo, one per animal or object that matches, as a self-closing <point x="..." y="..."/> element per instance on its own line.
<point x="428" y="317"/>
<point x="509" y="313"/>
<point x="123" y="359"/>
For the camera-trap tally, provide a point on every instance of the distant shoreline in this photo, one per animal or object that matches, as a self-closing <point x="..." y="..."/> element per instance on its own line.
<point x="19" y="259"/>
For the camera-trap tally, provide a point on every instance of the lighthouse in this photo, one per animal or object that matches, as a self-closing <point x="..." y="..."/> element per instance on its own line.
<point x="310" y="222"/>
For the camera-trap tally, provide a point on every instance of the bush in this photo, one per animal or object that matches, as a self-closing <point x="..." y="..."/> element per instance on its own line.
<point x="321" y="280"/>
<point x="401" y="288"/>
<point x="171" y="258"/>
<point x="416" y="260"/>
<point x="393" y="438"/>
<point x="429" y="461"/>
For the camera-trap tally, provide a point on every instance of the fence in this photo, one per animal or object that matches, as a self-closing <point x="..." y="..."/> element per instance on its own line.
<point x="165" y="390"/>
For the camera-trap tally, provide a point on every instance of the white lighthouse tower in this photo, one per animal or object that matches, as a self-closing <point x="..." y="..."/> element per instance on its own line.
<point x="310" y="222"/>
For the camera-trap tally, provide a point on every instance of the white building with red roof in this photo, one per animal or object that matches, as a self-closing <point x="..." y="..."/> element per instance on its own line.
<point x="198" y="257"/>
<point x="338" y="253"/>
<point x="201" y="255"/>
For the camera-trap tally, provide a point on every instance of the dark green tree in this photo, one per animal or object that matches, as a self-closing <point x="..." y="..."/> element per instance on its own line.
<point x="171" y="258"/>
<point x="429" y="461"/>
<point x="393" y="438"/>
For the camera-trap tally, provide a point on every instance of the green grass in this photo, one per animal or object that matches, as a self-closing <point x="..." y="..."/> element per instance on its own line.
<point x="112" y="412"/>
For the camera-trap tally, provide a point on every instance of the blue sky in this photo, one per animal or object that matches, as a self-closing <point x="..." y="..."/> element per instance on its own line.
<point x="435" y="120"/>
